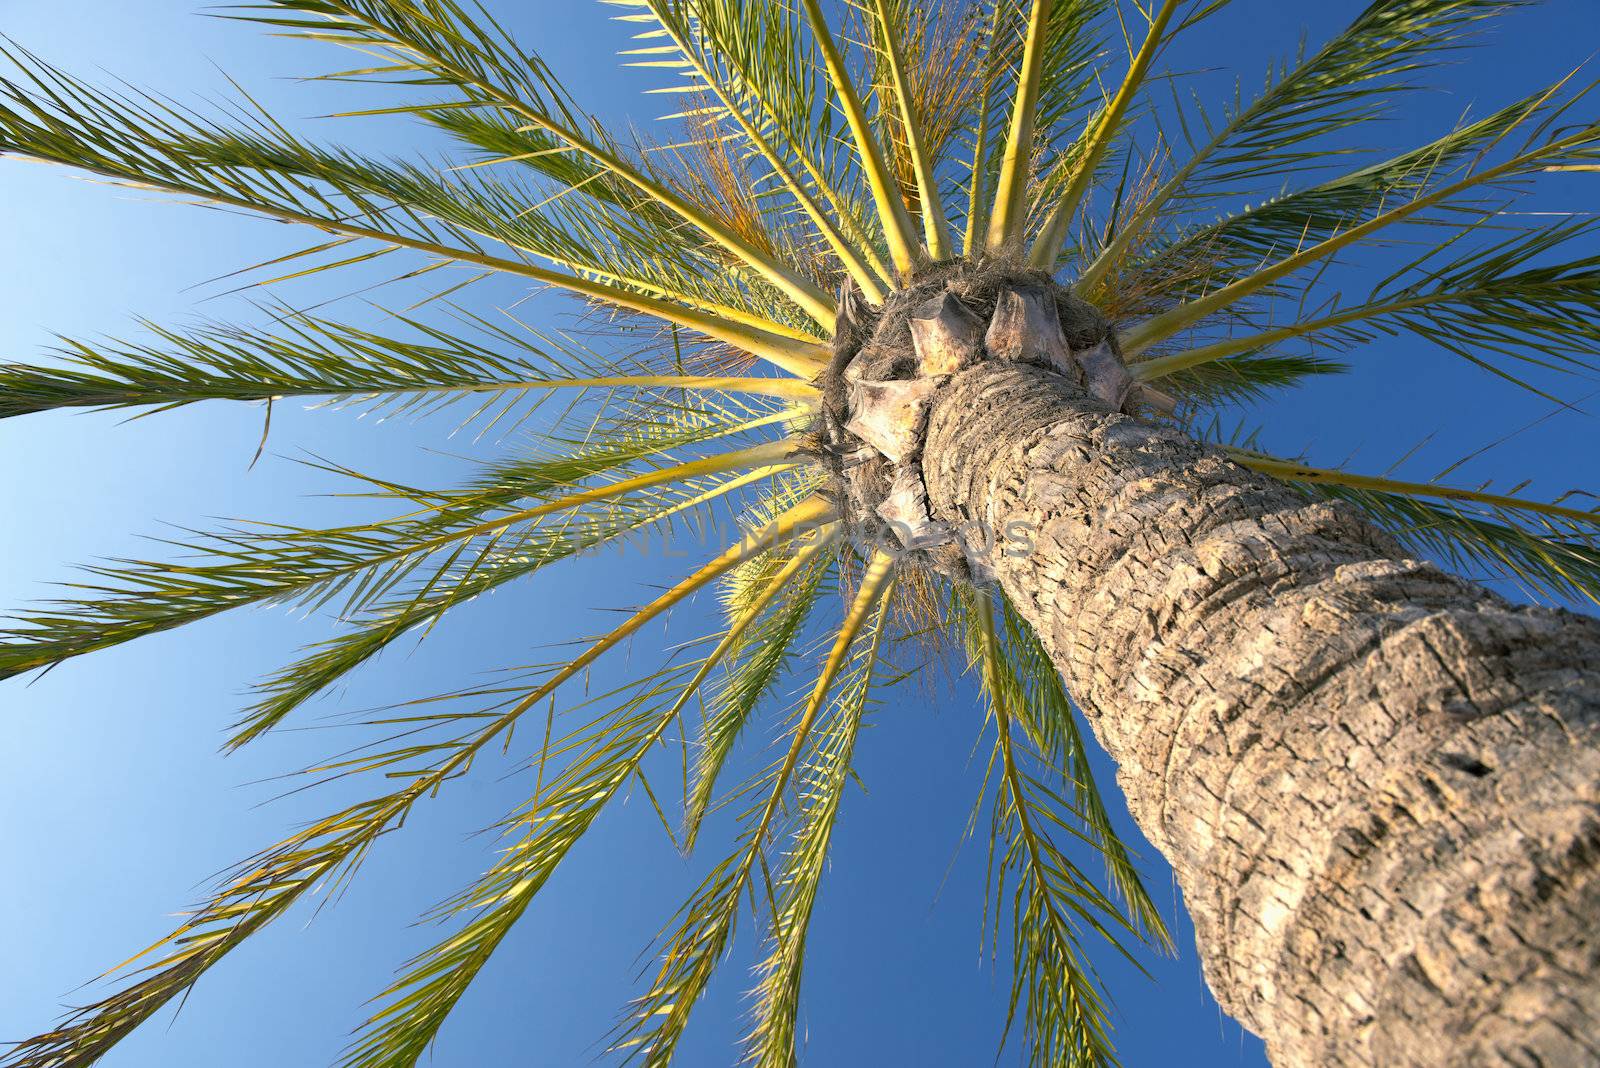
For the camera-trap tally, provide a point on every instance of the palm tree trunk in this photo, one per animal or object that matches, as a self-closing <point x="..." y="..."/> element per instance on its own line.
<point x="1377" y="783"/>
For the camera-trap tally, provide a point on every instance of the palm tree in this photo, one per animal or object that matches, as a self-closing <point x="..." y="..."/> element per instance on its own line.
<point x="945" y="306"/>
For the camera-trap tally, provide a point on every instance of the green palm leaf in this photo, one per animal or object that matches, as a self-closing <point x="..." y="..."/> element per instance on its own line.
<point x="311" y="357"/>
<point x="356" y="566"/>
<point x="1355" y="78"/>
<point x="695" y="946"/>
<point x="492" y="71"/>
<point x="1433" y="185"/>
<point x="1490" y="306"/>
<point x="821" y="784"/>
<point x="274" y="174"/>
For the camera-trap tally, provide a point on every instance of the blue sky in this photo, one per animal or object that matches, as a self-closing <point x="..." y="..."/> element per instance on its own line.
<point x="117" y="808"/>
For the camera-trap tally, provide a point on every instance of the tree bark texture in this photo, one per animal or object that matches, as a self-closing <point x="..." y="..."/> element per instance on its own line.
<point x="1378" y="783"/>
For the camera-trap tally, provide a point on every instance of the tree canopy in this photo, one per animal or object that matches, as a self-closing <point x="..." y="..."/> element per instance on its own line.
<point x="817" y="154"/>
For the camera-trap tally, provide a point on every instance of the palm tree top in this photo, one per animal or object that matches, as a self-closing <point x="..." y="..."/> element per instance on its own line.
<point x="832" y="170"/>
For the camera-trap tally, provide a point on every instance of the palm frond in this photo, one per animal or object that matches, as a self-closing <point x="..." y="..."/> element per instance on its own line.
<point x="821" y="784"/>
<point x="889" y="19"/>
<point x="1076" y="37"/>
<point x="268" y="171"/>
<point x="1489" y="306"/>
<point x="773" y="65"/>
<point x="941" y="50"/>
<point x="1048" y="243"/>
<point x="261" y="890"/>
<point x="696" y="945"/>
<point x="977" y="183"/>
<point x="1354" y="78"/>
<point x="611" y="749"/>
<point x="735" y="52"/>
<point x="1065" y="1018"/>
<point x="1360" y="201"/>
<point x="469" y="572"/>
<point x="1010" y="199"/>
<point x="352" y="565"/>
<point x="489" y="69"/>
<point x="1197" y="259"/>
<point x="1248" y="377"/>
<point x="611" y="222"/>
<point x="761" y="653"/>
<point x="307" y="356"/>
<point x="268" y="884"/>
<point x="1019" y="674"/>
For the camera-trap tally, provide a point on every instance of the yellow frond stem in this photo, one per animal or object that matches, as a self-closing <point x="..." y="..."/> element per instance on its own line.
<point x="771" y="419"/>
<point x="1011" y="195"/>
<point x="765" y="460"/>
<point x="804" y="359"/>
<point x="861" y="243"/>
<point x="859" y="268"/>
<point x="1295" y="472"/>
<point x="1047" y="247"/>
<point x="722" y="489"/>
<point x="721" y="311"/>
<point x="892" y="215"/>
<point x="875" y="584"/>
<point x="935" y="227"/>
<point x="819" y="539"/>
<point x="771" y="456"/>
<point x="1161" y="366"/>
<point x="698" y="800"/>
<point x="817" y="304"/>
<point x="801" y="358"/>
<point x="982" y="609"/>
<point x="977" y="212"/>
<point x="792" y="388"/>
<point x="1008" y="762"/>
<point x="773" y="1038"/>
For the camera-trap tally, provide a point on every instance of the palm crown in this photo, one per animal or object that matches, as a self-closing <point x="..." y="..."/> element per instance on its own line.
<point x="825" y="162"/>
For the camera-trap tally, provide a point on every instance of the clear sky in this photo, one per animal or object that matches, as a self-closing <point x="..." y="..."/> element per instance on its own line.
<point x="116" y="807"/>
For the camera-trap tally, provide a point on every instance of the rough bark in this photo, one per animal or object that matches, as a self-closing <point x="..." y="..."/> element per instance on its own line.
<point x="1377" y="783"/>
<point x="889" y="415"/>
<point x="946" y="335"/>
